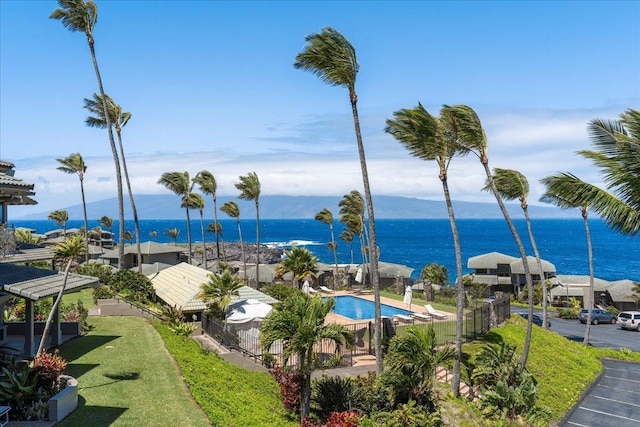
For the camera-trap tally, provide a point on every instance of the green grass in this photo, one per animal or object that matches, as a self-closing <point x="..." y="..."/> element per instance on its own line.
<point x="85" y="295"/>
<point x="126" y="377"/>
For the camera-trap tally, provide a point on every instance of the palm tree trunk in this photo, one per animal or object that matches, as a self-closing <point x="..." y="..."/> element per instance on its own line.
<point x="373" y="248"/>
<point x="116" y="160"/>
<point x="204" y="245"/>
<point x="536" y="253"/>
<point x="54" y="309"/>
<point x="244" y="258"/>
<point x="215" y="219"/>
<point x="460" y="297"/>
<point x="136" y="225"/>
<point x="257" y="244"/>
<point x="587" y="331"/>
<point x="189" y="233"/>
<point x="86" y="221"/>
<point x="335" y="257"/>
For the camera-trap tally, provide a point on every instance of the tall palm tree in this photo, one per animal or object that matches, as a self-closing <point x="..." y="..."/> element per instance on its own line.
<point x="249" y="187"/>
<point x="347" y="237"/>
<point x="217" y="292"/>
<point x="231" y="208"/>
<point x="468" y="131"/>
<point x="81" y="16"/>
<point x="300" y="262"/>
<point x="568" y="191"/>
<point x="173" y="233"/>
<point x="195" y="201"/>
<point x="299" y="321"/>
<point x="216" y="228"/>
<point x="352" y="208"/>
<point x="69" y="250"/>
<point x="106" y="222"/>
<point x="326" y="217"/>
<point x="118" y="120"/>
<point x="74" y="164"/>
<point x="429" y="138"/>
<point x="96" y="235"/>
<point x="331" y="57"/>
<point x="60" y="217"/>
<point x="207" y="184"/>
<point x="179" y="183"/>
<point x="512" y="185"/>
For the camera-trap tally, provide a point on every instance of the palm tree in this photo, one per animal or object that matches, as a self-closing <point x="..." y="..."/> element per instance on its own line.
<point x="195" y="201"/>
<point x="326" y="217"/>
<point x="217" y="292"/>
<point x="299" y="321"/>
<point x="173" y="233"/>
<point x="300" y="262"/>
<point x="60" y="217"/>
<point x="179" y="183"/>
<point x="231" y="208"/>
<point x="352" y="215"/>
<point x="69" y="250"/>
<point x="96" y="235"/>
<point x="512" y="185"/>
<point x="74" y="164"/>
<point x="249" y="187"/>
<point x="216" y="228"/>
<point x="24" y="235"/>
<point x="118" y="120"/>
<point x="347" y="237"/>
<point x="469" y="133"/>
<point x="106" y="222"/>
<point x="568" y="191"/>
<point x="81" y="16"/>
<point x="331" y="57"/>
<point x="128" y="237"/>
<point x="207" y="183"/>
<point x="429" y="138"/>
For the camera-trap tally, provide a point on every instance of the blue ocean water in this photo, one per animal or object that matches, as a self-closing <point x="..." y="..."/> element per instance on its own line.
<point x="418" y="242"/>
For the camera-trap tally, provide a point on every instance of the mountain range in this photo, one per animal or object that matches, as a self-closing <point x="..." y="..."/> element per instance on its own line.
<point x="302" y="207"/>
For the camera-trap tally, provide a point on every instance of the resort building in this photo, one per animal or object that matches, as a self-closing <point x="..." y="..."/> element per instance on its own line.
<point x="618" y="293"/>
<point x="151" y="252"/>
<point x="13" y="191"/>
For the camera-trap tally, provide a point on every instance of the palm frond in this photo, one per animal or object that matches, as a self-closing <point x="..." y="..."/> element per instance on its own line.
<point x="249" y="187"/>
<point x="511" y="184"/>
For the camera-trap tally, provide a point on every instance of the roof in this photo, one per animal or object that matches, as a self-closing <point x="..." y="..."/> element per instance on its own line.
<point x="598" y="284"/>
<point x="29" y="255"/>
<point x="36" y="283"/>
<point x="622" y="290"/>
<point x="146" y="248"/>
<point x="490" y="260"/>
<point x="517" y="266"/>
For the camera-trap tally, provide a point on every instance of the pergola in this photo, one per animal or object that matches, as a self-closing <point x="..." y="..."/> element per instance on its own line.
<point x="13" y="191"/>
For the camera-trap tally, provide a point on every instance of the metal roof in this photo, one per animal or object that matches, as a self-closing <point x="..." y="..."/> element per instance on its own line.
<point x="29" y="255"/>
<point x="36" y="283"/>
<point x="146" y="248"/>
<point x="490" y="260"/>
<point x="517" y="266"/>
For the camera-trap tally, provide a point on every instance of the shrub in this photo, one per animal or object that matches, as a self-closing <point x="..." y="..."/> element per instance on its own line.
<point x="280" y="291"/>
<point x="342" y="419"/>
<point x="369" y="395"/>
<point x="331" y="394"/>
<point x="102" y="272"/>
<point x="407" y="415"/>
<point x="18" y="388"/>
<point x="102" y="292"/>
<point x="290" y="383"/>
<point x="133" y="285"/>
<point x="49" y="367"/>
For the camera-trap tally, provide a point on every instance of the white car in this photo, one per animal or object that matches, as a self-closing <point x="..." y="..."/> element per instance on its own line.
<point x="629" y="320"/>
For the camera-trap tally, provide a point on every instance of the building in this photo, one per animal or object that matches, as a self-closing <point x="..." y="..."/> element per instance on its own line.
<point x="151" y="253"/>
<point x="13" y="191"/>
<point x="619" y="293"/>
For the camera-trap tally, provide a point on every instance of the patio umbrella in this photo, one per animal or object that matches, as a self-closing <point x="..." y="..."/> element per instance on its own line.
<point x="359" y="275"/>
<point x="305" y="287"/>
<point x="408" y="294"/>
<point x="248" y="310"/>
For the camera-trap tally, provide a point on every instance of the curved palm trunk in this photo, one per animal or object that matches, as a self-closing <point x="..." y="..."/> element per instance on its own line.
<point x="335" y="257"/>
<point x="305" y="406"/>
<point x="215" y="219"/>
<point x="460" y="297"/>
<point x="587" y="231"/>
<point x="373" y="248"/>
<point x="86" y="221"/>
<point x="536" y="253"/>
<point x="257" y="244"/>
<point x="116" y="160"/>
<point x="54" y="309"/>
<point x="204" y="245"/>
<point x="136" y="225"/>
<point x="244" y="258"/>
<point x="523" y="256"/>
<point x="189" y="233"/>
<point x="363" y="253"/>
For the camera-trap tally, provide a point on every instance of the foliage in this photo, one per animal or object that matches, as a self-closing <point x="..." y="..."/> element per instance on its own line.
<point x="523" y="296"/>
<point x="290" y="382"/>
<point x="217" y="292"/>
<point x="103" y="292"/>
<point x="18" y="388"/>
<point x="102" y="272"/>
<point x="408" y="414"/>
<point x="279" y="291"/>
<point x="298" y="261"/>
<point x="75" y="312"/>
<point x="435" y="273"/>
<point x="133" y="285"/>
<point x="331" y="394"/>
<point x="173" y="317"/>
<point x="369" y="394"/>
<point x="49" y="367"/>
<point x="571" y="312"/>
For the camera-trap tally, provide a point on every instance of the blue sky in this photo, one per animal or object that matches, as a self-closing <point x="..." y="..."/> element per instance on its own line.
<point x="211" y="86"/>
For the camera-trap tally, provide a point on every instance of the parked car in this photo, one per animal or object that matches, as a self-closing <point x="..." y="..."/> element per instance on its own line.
<point x="629" y="320"/>
<point x="597" y="316"/>
<point x="537" y="320"/>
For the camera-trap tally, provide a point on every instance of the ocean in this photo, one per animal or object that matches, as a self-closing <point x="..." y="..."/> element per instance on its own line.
<point x="418" y="242"/>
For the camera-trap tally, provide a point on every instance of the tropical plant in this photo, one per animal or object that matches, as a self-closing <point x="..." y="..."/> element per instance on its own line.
<point x="433" y="274"/>
<point x="133" y="286"/>
<point x="24" y="235"/>
<point x="118" y="120"/>
<point x="173" y="233"/>
<point x="217" y="292"/>
<point x="326" y="217"/>
<point x="331" y="394"/>
<point x="249" y="187"/>
<point x="101" y="271"/>
<point x="18" y="386"/>
<point x="49" y="367"/>
<point x="347" y="237"/>
<point x="82" y="16"/>
<point x="128" y="237"/>
<point x="208" y="185"/>
<point x="74" y="165"/>
<point x="195" y="201"/>
<point x="352" y="216"/>
<point x="106" y="222"/>
<point x="331" y="57"/>
<point x="68" y="250"/>
<point x="467" y="129"/>
<point x="299" y="322"/>
<point x="231" y="208"/>
<point x="179" y="183"/>
<point x="95" y="235"/>
<point x="512" y="185"/>
<point x="300" y="262"/>
<point x="60" y="217"/>
<point x="216" y="228"/>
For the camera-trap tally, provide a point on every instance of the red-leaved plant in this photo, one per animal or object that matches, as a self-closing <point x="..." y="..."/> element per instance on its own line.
<point x="290" y="386"/>
<point x="49" y="367"/>
<point x="342" y="419"/>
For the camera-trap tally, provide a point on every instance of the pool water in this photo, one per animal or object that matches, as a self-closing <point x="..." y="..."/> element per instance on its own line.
<point x="358" y="308"/>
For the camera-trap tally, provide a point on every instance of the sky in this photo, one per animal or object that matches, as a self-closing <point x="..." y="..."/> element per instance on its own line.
<point x="211" y="85"/>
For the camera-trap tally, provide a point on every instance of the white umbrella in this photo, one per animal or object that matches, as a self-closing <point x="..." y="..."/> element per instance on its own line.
<point x="359" y="275"/>
<point x="247" y="311"/>
<point x="305" y="287"/>
<point x="408" y="294"/>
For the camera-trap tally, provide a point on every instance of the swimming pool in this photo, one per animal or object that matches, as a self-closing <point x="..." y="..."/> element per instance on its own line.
<point x="358" y="308"/>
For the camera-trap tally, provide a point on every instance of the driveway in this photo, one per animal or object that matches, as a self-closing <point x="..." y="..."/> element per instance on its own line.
<point x="612" y="401"/>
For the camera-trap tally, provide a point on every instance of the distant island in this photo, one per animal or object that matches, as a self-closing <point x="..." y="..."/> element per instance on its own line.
<point x="304" y="207"/>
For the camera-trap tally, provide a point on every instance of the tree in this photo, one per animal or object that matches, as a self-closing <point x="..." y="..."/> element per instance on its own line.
<point x="60" y="217"/>
<point x="81" y="16"/>
<point x="568" y="191"/>
<point x="106" y="222"/>
<point x="352" y="215"/>
<point x="326" y="217"/>
<point x="74" y="164"/>
<point x="68" y="250"/>
<point x="207" y="184"/>
<point x="433" y="274"/>
<point x="216" y="228"/>
<point x="173" y="233"/>
<point x="347" y="237"/>
<point x="512" y="185"/>
<point x="300" y="262"/>
<point x="231" y="208"/>
<point x="118" y="120"/>
<point x="331" y="57"/>
<point x="299" y="321"/>
<point x="469" y="133"/>
<point x="249" y="187"/>
<point x="195" y="201"/>
<point x="179" y="183"/>
<point x="217" y="292"/>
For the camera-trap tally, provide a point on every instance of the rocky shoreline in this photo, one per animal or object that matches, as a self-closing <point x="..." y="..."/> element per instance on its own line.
<point x="232" y="251"/>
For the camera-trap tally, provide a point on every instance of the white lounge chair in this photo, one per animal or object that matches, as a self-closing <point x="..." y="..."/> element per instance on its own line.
<point x="312" y="291"/>
<point x="325" y="290"/>
<point x="432" y="312"/>
<point x="403" y="318"/>
<point x="421" y="316"/>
